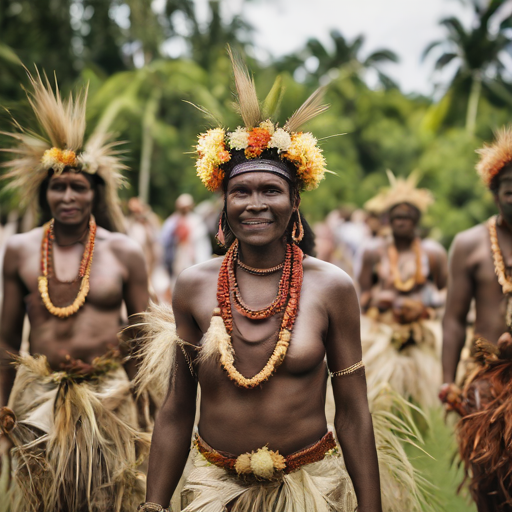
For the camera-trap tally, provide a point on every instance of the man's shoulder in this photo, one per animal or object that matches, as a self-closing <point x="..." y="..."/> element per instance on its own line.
<point x="432" y="246"/>
<point x="25" y="241"/>
<point x="470" y="238"/>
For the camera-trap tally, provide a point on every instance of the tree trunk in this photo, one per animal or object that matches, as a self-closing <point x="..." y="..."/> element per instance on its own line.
<point x="474" y="98"/>
<point x="147" y="144"/>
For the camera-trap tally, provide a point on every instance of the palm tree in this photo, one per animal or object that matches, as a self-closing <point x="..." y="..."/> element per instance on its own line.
<point x="346" y="54"/>
<point x="479" y="53"/>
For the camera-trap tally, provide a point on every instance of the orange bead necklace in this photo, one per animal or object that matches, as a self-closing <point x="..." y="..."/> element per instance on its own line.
<point x="287" y="298"/>
<point x="47" y="270"/>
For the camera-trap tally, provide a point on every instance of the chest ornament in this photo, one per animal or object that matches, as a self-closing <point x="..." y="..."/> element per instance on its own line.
<point x="218" y="337"/>
<point x="47" y="270"/>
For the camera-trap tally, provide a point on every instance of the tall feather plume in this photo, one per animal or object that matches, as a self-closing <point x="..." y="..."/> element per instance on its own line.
<point x="247" y="101"/>
<point x="311" y="108"/>
<point x="62" y="121"/>
<point x="104" y="153"/>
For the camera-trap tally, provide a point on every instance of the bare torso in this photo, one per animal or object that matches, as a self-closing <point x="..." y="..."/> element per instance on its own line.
<point x="238" y="420"/>
<point x="93" y="330"/>
<point x="377" y="267"/>
<point x="477" y="261"/>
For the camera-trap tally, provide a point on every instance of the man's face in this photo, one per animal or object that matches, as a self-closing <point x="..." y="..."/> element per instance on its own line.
<point x="504" y="196"/>
<point x="70" y="197"/>
<point x="258" y="207"/>
<point x="403" y="219"/>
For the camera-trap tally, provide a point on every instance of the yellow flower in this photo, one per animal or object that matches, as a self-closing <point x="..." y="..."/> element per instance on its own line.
<point x="268" y="125"/>
<point x="308" y="158"/>
<point x="212" y="153"/>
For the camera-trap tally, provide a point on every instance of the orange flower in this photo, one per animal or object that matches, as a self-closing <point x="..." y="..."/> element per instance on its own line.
<point x="258" y="142"/>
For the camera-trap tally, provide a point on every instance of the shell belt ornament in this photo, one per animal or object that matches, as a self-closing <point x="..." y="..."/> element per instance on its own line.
<point x="83" y="273"/>
<point x="499" y="268"/>
<point x="499" y="264"/>
<point x="287" y="298"/>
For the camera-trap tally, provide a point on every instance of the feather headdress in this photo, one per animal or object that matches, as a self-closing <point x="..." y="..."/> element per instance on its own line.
<point x="494" y="157"/>
<point x="400" y="191"/>
<point x="261" y="140"/>
<point x="61" y="147"/>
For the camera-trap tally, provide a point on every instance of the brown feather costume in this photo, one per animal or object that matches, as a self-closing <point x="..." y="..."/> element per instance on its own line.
<point x="485" y="429"/>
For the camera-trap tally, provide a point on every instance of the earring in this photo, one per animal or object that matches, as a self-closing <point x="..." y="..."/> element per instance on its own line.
<point x="221" y="240"/>
<point x="297" y="226"/>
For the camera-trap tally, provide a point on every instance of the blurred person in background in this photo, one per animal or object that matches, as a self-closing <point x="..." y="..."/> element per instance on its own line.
<point x="67" y="406"/>
<point x="400" y="283"/>
<point x="480" y="269"/>
<point x="184" y="238"/>
<point x="142" y="225"/>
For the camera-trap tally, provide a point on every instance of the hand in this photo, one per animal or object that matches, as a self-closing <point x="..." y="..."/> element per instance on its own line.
<point x="76" y="367"/>
<point x="451" y="397"/>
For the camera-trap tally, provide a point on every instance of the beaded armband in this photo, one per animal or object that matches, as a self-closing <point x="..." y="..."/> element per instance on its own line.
<point x="347" y="371"/>
<point x="151" y="507"/>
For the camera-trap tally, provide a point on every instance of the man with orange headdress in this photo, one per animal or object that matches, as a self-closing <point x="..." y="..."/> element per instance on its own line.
<point x="68" y="411"/>
<point x="400" y="280"/>
<point x="480" y="269"/>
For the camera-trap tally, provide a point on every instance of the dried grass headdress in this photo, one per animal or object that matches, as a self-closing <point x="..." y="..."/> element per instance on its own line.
<point x="61" y="147"/>
<point x="494" y="157"/>
<point x="400" y="191"/>
<point x="215" y="148"/>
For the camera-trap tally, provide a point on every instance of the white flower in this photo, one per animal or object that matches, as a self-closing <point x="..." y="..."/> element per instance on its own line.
<point x="87" y="163"/>
<point x="280" y="140"/>
<point x="239" y="139"/>
<point x="268" y="125"/>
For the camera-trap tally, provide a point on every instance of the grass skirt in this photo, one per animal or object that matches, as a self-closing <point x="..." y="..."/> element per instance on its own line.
<point x="413" y="367"/>
<point x="76" y="443"/>
<point x="322" y="486"/>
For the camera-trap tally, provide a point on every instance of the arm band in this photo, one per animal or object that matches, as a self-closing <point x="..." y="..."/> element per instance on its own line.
<point x="347" y="371"/>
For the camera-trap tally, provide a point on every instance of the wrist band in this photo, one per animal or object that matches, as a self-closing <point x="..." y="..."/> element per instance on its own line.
<point x="150" y="507"/>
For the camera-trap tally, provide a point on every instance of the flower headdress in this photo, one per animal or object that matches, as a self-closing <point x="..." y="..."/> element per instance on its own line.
<point x="400" y="191"/>
<point x="215" y="148"/>
<point x="62" y="147"/>
<point x="494" y="157"/>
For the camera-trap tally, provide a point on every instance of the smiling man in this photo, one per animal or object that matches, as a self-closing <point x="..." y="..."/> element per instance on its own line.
<point x="68" y="413"/>
<point x="480" y="269"/>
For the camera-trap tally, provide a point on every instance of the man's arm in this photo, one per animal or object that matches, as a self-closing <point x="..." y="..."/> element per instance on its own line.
<point x="460" y="293"/>
<point x="352" y="421"/>
<point x="365" y="277"/>
<point x="11" y="321"/>
<point x="135" y="286"/>
<point x="173" y="427"/>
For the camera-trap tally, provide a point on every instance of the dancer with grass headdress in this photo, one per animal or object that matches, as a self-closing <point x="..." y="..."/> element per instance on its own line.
<point x="401" y="282"/>
<point x="261" y="330"/>
<point x="69" y="420"/>
<point x="480" y="269"/>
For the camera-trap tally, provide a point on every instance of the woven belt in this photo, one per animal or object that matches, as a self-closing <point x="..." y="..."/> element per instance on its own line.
<point x="292" y="462"/>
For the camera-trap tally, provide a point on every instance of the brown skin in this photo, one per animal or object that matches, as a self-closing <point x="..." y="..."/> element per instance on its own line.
<point x="403" y="222"/>
<point x="471" y="275"/>
<point x="287" y="412"/>
<point x="118" y="274"/>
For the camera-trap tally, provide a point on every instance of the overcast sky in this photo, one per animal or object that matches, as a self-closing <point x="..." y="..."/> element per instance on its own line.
<point x="404" y="26"/>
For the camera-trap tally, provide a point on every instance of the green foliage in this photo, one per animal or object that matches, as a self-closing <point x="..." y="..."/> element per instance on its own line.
<point x="376" y="129"/>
